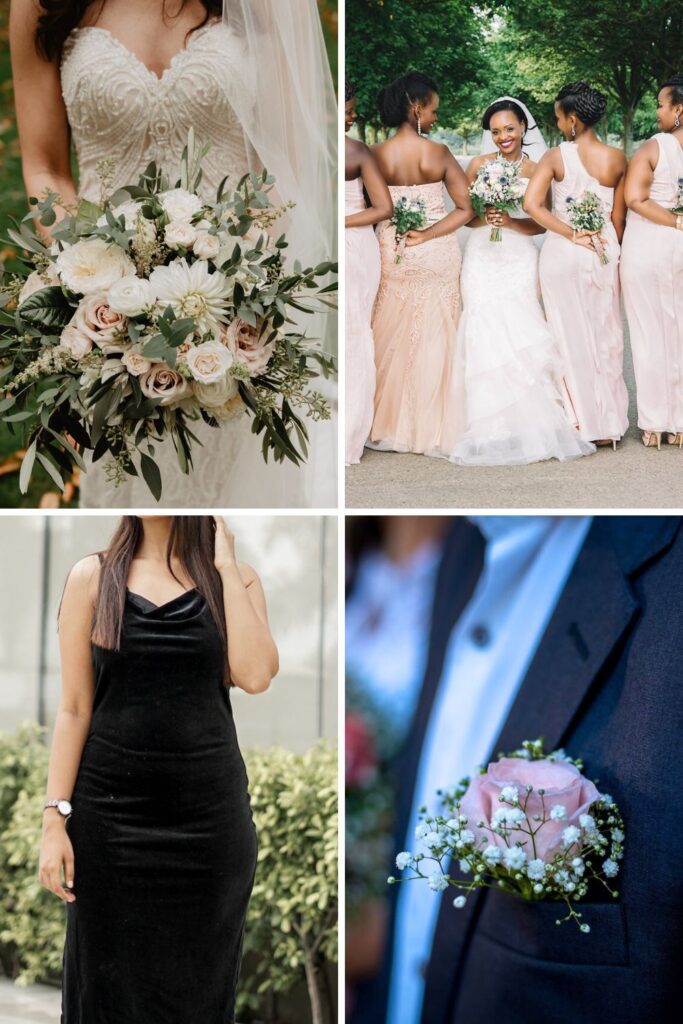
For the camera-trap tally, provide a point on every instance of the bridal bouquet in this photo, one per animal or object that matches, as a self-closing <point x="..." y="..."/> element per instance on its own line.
<point x="153" y="310"/>
<point x="498" y="184"/>
<point x="531" y="825"/>
<point x="587" y="213"/>
<point x="409" y="215"/>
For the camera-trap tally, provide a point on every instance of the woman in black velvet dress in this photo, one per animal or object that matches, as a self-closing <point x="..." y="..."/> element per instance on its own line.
<point x="148" y="835"/>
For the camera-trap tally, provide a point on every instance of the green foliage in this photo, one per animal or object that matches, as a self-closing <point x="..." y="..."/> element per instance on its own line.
<point x="31" y="919"/>
<point x="384" y="38"/>
<point x="625" y="47"/>
<point x="292" y="922"/>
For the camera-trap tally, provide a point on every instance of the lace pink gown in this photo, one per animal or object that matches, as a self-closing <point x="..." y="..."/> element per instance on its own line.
<point x="581" y="299"/>
<point x="414" y="325"/>
<point x="651" y="276"/>
<point x="362" y="281"/>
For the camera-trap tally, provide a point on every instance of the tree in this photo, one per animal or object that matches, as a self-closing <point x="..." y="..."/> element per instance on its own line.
<point x="625" y="47"/>
<point x="385" y="38"/>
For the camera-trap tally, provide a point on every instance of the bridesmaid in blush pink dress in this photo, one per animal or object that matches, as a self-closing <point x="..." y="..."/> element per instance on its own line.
<point x="581" y="294"/>
<point x="362" y="281"/>
<point x="418" y="304"/>
<point x="652" y="272"/>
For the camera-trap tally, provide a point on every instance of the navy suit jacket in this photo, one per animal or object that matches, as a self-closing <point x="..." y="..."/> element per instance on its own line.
<point x="605" y="683"/>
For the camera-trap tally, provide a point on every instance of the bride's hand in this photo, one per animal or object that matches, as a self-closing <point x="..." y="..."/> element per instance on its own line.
<point x="498" y="218"/>
<point x="224" y="554"/>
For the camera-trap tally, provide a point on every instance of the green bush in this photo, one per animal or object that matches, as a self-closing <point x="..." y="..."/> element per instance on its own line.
<point x="292" y="921"/>
<point x="31" y="919"/>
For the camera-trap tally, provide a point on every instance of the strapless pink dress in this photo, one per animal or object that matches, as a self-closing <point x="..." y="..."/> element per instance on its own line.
<point x="362" y="281"/>
<point x="581" y="299"/>
<point x="414" y="324"/>
<point x="652" y="279"/>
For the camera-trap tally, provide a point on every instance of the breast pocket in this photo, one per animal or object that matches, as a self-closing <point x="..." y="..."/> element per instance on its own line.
<point x="528" y="927"/>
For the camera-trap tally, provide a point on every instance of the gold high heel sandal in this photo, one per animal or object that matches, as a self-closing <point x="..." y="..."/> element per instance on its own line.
<point x="605" y="442"/>
<point x="675" y="439"/>
<point x="652" y="439"/>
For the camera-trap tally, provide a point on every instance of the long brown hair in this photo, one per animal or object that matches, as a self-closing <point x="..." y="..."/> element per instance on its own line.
<point x="191" y="541"/>
<point x="59" y="17"/>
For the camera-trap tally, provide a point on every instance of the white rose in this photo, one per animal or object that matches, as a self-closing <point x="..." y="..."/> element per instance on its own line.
<point x="135" y="363"/>
<point x="93" y="265"/>
<point x="206" y="246"/>
<point x="78" y="343"/>
<point x="179" y="235"/>
<point x="103" y="325"/>
<point x="216" y="395"/>
<point x="232" y="410"/>
<point x="209" y="362"/>
<point x="180" y="205"/>
<point x="131" y="295"/>
<point x="160" y="381"/>
<point x="35" y="282"/>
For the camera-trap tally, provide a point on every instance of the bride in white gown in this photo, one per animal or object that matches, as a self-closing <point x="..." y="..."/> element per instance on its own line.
<point x="126" y="83"/>
<point x="507" y="380"/>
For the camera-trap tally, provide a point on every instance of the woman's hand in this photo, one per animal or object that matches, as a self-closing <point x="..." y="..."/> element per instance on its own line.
<point x="56" y="855"/>
<point x="418" y="237"/>
<point x="224" y="554"/>
<point x="498" y="218"/>
<point x="585" y="239"/>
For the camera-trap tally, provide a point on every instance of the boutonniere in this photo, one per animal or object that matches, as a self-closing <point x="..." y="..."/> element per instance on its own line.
<point x="531" y="824"/>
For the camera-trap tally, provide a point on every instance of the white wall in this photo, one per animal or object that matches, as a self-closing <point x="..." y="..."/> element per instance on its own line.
<point x="296" y="558"/>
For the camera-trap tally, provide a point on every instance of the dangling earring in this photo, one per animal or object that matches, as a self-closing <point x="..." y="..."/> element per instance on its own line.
<point x="677" y="122"/>
<point x="419" y="124"/>
<point x="573" y="132"/>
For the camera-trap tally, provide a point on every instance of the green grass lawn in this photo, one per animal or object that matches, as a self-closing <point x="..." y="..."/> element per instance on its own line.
<point x="13" y="203"/>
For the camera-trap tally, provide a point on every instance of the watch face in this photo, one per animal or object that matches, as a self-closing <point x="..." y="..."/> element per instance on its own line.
<point x="64" y="807"/>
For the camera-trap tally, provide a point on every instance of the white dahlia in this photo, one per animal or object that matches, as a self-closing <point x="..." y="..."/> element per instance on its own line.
<point x="191" y="290"/>
<point x="93" y="265"/>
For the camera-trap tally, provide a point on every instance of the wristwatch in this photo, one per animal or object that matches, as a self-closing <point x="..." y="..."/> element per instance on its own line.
<point x="63" y="806"/>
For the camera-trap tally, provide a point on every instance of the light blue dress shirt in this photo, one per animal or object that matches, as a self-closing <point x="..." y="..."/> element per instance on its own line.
<point x="528" y="560"/>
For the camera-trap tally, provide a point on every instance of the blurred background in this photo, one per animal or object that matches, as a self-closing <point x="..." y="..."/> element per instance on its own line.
<point x="13" y="203"/>
<point x="288" y="736"/>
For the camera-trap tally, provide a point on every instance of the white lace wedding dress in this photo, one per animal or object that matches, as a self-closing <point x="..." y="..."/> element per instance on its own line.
<point x="122" y="112"/>
<point x="508" y="389"/>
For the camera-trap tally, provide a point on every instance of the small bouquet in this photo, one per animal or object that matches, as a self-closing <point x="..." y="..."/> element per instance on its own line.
<point x="678" y="208"/>
<point x="530" y="825"/>
<point x="409" y="215"/>
<point x="151" y="310"/>
<point x="587" y="213"/>
<point x="497" y="184"/>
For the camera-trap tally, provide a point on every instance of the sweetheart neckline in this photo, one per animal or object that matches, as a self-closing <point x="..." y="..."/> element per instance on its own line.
<point x="138" y="60"/>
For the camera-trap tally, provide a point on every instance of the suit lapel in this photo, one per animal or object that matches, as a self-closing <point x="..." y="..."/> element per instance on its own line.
<point x="594" y="615"/>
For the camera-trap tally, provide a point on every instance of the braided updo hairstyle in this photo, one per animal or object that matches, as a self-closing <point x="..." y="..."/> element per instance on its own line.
<point x="394" y="100"/>
<point x="581" y="99"/>
<point x="675" y="84"/>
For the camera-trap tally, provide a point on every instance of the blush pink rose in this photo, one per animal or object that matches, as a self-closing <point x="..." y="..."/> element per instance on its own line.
<point x="96" y="319"/>
<point x="563" y="784"/>
<point x="164" y="383"/>
<point x="249" y="346"/>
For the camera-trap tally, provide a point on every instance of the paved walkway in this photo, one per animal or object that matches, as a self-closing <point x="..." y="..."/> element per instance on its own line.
<point x="37" y="1004"/>
<point x="632" y="477"/>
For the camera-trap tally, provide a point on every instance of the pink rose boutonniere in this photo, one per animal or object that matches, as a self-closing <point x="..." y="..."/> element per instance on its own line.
<point x="530" y="824"/>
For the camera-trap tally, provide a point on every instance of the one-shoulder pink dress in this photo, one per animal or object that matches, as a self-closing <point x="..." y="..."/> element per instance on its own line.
<point x="581" y="299"/>
<point x="652" y="279"/>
